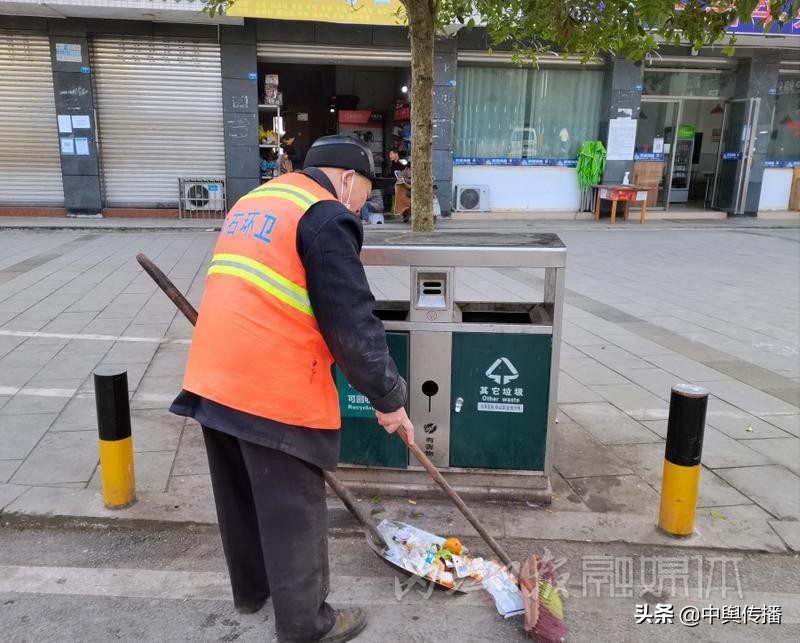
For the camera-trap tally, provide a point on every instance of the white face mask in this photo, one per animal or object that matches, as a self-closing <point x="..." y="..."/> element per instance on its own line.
<point x="346" y="201"/>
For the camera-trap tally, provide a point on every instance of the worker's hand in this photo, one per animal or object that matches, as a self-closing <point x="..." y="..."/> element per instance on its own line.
<point x="394" y="420"/>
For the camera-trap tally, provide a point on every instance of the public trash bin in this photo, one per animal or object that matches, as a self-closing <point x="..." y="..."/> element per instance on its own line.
<point x="482" y="375"/>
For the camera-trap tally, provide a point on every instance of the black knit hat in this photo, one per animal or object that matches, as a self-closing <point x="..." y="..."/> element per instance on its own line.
<point x="344" y="152"/>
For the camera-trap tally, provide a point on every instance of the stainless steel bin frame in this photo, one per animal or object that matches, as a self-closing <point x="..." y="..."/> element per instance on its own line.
<point x="446" y="254"/>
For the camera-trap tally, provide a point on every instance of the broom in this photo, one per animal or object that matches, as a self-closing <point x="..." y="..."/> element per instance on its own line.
<point x="544" y="613"/>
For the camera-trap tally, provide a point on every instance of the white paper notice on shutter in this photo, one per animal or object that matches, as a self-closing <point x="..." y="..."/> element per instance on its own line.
<point x="621" y="139"/>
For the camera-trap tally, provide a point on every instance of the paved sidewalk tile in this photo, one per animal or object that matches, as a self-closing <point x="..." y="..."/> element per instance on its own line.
<point x="658" y="382"/>
<point x="9" y="493"/>
<point x="61" y="457"/>
<point x="659" y="427"/>
<point x="750" y="511"/>
<point x="23" y="403"/>
<point x="608" y="424"/>
<point x="80" y="414"/>
<point x="720" y="451"/>
<point x="192" y="484"/>
<point x="7" y="469"/>
<point x="588" y="371"/>
<point x="749" y="399"/>
<point x="790" y="423"/>
<point x="715" y="492"/>
<point x="157" y="430"/>
<point x="191" y="457"/>
<point x="785" y="451"/>
<point x="151" y="471"/>
<point x="617" y="493"/>
<point x="637" y="345"/>
<point x="570" y="390"/>
<point x="578" y="454"/>
<point x="773" y="487"/>
<point x="20" y="433"/>
<point x="615" y="357"/>
<point x="635" y="401"/>
<point x="686" y="369"/>
<point x="789" y="531"/>
<point x="564" y="496"/>
<point x="739" y="424"/>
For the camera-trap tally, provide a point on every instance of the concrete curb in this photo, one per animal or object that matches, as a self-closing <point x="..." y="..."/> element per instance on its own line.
<point x="52" y="506"/>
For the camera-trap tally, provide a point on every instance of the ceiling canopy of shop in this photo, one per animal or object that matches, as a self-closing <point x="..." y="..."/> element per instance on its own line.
<point x="359" y="12"/>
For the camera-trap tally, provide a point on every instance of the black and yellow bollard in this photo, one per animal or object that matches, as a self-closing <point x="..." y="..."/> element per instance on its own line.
<point x="116" y="444"/>
<point x="687" y="419"/>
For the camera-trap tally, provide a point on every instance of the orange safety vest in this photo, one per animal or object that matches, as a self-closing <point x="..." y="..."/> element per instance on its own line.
<point x="257" y="347"/>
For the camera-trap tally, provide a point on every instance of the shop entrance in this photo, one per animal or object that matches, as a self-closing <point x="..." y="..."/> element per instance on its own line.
<point x="678" y="143"/>
<point x="301" y="101"/>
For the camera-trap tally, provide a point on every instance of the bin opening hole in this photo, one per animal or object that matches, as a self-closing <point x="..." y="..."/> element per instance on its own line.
<point x="391" y="310"/>
<point x="430" y="388"/>
<point x="505" y="313"/>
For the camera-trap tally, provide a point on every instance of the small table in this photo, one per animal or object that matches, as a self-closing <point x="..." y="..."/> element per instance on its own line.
<point x="626" y="193"/>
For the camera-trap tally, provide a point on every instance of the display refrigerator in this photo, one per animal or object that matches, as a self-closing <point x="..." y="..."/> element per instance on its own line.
<point x="682" y="165"/>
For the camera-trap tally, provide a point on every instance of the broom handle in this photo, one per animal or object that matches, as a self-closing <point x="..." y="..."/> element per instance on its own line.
<point x="419" y="454"/>
<point x="183" y="304"/>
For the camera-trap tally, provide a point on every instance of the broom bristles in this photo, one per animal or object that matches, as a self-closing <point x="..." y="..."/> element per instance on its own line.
<point x="550" y="626"/>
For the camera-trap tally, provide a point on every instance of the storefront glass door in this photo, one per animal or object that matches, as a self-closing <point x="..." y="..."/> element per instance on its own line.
<point x="736" y="154"/>
<point x="655" y="147"/>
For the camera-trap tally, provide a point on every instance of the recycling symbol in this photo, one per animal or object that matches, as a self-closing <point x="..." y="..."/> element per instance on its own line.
<point x="502" y="371"/>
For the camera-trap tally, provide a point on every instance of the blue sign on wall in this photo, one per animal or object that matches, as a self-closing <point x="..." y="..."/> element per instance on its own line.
<point x="506" y="162"/>
<point x="648" y="156"/>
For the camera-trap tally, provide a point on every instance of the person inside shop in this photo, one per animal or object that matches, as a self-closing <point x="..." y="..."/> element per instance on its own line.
<point x="295" y="149"/>
<point x="396" y="164"/>
<point x="286" y="296"/>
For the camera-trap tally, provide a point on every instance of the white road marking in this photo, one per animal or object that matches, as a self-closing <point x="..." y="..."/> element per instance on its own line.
<point x="212" y="586"/>
<point x="348" y="590"/>
<point x="38" y="392"/>
<point x="97" y="338"/>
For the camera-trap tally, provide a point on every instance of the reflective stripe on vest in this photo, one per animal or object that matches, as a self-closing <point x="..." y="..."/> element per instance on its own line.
<point x="292" y="193"/>
<point x="263" y="277"/>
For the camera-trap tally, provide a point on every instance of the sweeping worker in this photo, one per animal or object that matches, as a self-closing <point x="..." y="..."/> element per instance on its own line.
<point x="285" y="297"/>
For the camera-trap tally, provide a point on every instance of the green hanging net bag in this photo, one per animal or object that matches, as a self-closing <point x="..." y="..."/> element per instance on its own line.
<point x="591" y="163"/>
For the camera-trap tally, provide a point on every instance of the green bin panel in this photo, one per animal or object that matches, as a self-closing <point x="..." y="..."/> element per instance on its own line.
<point x="504" y="380"/>
<point x="364" y="441"/>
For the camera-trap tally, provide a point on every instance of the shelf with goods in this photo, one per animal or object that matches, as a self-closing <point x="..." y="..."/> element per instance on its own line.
<point x="365" y="125"/>
<point x="270" y="128"/>
<point x="401" y="129"/>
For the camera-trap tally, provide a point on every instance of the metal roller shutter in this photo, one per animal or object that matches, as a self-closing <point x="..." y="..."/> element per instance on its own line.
<point x="159" y="109"/>
<point x="332" y="54"/>
<point x="30" y="165"/>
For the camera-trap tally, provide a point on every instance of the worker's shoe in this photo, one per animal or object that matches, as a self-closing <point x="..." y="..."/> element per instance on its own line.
<point x="350" y="622"/>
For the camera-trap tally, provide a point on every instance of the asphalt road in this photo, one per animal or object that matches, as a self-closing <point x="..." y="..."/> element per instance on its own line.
<point x="65" y="584"/>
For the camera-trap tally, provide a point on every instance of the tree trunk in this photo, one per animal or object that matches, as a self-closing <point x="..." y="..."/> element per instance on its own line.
<point x="422" y="28"/>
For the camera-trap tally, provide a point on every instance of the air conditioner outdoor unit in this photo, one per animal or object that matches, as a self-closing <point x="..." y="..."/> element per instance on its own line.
<point x="472" y="198"/>
<point x="202" y="198"/>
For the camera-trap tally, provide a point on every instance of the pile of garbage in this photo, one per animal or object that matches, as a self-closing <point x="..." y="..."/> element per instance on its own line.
<point x="449" y="564"/>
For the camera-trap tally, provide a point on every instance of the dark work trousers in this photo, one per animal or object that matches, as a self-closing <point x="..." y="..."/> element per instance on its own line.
<point x="273" y="519"/>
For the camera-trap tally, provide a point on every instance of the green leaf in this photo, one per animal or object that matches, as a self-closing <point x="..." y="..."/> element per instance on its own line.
<point x="717" y="516"/>
<point x="376" y="500"/>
